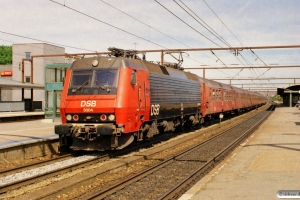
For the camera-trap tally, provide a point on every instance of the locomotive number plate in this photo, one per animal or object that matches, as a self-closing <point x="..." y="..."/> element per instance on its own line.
<point x="88" y="110"/>
<point x="155" y="109"/>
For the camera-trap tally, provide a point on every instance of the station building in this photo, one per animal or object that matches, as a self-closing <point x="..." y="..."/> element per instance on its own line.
<point x="12" y="89"/>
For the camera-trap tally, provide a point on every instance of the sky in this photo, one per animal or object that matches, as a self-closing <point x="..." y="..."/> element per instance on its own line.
<point x="94" y="25"/>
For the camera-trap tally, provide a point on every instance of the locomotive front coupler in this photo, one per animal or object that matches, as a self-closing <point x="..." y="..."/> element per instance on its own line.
<point x="90" y="132"/>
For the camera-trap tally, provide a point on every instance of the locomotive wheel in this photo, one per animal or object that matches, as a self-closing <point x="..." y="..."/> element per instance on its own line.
<point x="124" y="140"/>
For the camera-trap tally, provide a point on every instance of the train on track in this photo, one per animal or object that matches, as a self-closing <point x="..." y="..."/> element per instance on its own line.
<point x="108" y="102"/>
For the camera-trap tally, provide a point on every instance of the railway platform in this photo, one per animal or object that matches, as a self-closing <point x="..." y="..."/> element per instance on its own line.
<point x="263" y="165"/>
<point x="26" y="139"/>
<point x="16" y="116"/>
<point x="15" y="131"/>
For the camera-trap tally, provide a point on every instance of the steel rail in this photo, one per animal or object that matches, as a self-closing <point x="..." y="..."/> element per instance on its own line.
<point x="29" y="166"/>
<point x="6" y="187"/>
<point x="82" y="164"/>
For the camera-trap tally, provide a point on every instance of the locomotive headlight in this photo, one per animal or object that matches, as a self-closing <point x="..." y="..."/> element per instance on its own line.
<point x="69" y="117"/>
<point x="95" y="63"/>
<point x="111" y="117"/>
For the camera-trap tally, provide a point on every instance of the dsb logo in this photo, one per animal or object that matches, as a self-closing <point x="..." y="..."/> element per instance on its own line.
<point x="88" y="103"/>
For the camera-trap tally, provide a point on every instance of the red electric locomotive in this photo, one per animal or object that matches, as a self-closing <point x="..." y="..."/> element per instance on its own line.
<point x="108" y="102"/>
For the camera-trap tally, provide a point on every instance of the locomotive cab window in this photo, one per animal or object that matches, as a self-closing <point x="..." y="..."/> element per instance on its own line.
<point x="81" y="78"/>
<point x="100" y="81"/>
<point x="106" y="77"/>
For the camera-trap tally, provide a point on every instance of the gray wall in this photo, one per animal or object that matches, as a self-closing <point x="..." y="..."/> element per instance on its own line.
<point x="39" y="64"/>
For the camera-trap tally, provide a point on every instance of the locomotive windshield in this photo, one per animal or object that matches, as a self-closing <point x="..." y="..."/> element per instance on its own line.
<point x="99" y="81"/>
<point x="81" y="78"/>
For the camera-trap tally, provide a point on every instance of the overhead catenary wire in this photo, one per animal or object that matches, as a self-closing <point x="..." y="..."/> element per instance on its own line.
<point x="43" y="41"/>
<point x="151" y="28"/>
<point x="108" y="24"/>
<point x="231" y="33"/>
<point x="73" y="9"/>
<point x="226" y="26"/>
<point x="209" y="29"/>
<point x="222" y="22"/>
<point x="187" y="24"/>
<point x="143" y="22"/>
<point x="32" y="45"/>
<point x="221" y="55"/>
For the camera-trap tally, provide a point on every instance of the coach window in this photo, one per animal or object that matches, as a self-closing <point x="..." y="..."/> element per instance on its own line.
<point x="133" y="77"/>
<point x="221" y="95"/>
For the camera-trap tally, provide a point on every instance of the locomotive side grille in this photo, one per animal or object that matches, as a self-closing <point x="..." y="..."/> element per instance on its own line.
<point x="170" y="90"/>
<point x="153" y="68"/>
<point x="174" y="96"/>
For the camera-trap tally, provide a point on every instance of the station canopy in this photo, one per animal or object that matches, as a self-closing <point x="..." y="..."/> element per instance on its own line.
<point x="294" y="88"/>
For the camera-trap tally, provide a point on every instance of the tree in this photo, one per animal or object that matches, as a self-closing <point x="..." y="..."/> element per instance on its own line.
<point x="5" y="55"/>
<point x="276" y="98"/>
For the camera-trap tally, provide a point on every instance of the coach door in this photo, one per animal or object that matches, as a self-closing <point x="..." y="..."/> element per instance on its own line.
<point x="142" y="93"/>
<point x="142" y="98"/>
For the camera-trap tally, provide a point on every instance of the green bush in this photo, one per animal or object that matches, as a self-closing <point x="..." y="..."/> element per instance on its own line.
<point x="5" y="55"/>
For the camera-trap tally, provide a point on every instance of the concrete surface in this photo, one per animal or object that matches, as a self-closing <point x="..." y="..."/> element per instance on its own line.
<point x="20" y="130"/>
<point x="20" y="140"/>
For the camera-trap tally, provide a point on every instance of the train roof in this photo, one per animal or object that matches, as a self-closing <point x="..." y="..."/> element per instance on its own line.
<point x="118" y="62"/>
<point x="215" y="84"/>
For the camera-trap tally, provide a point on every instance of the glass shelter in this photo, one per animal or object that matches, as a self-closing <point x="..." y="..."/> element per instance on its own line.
<point x="54" y="77"/>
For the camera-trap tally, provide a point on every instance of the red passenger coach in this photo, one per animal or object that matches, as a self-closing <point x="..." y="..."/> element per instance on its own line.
<point x="109" y="102"/>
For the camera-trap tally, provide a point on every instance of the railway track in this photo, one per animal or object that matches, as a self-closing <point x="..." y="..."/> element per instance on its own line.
<point x="172" y="177"/>
<point x="98" y="159"/>
<point x="32" y="178"/>
<point x="28" y="177"/>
